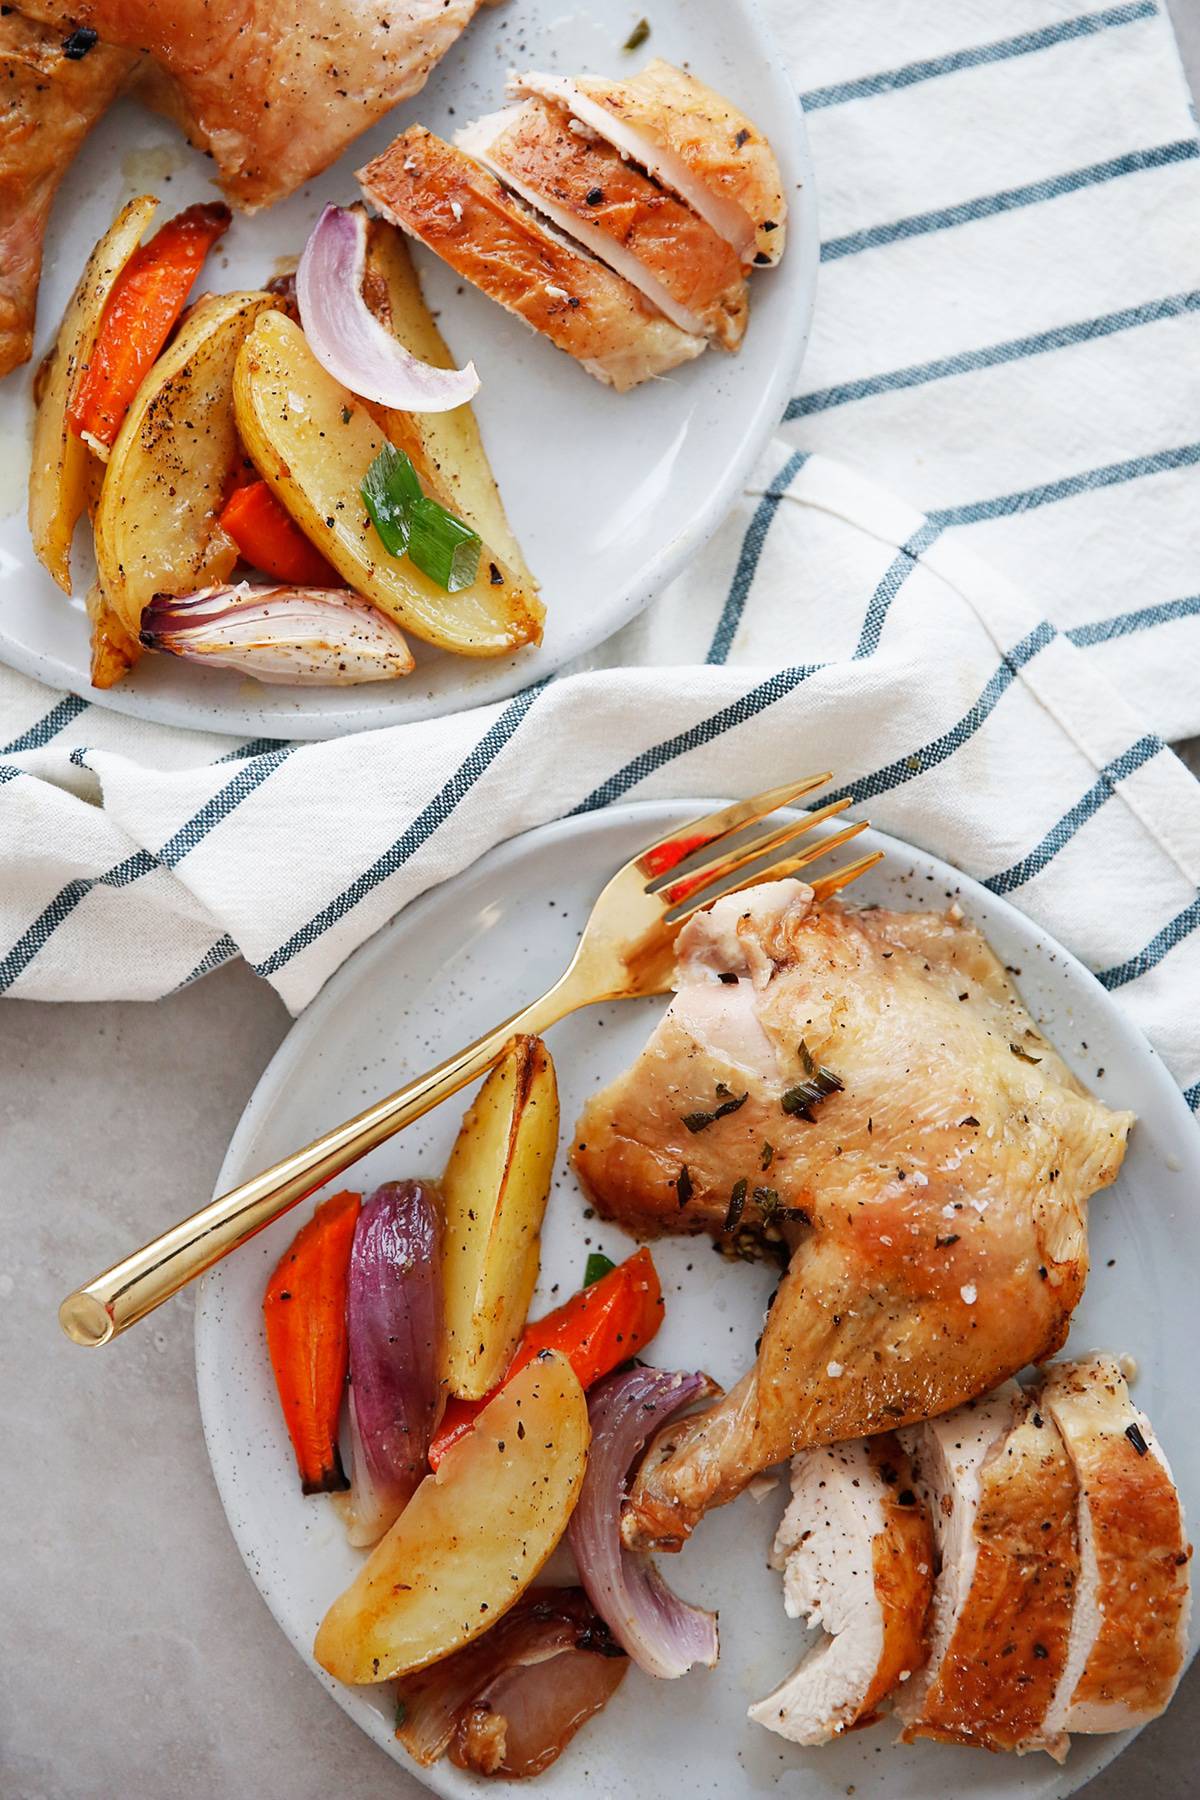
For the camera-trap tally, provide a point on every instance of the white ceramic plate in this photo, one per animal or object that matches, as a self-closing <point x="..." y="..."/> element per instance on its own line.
<point x="609" y="494"/>
<point x="438" y="977"/>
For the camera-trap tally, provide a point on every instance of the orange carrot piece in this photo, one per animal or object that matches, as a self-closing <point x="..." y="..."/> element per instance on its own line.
<point x="596" y="1329"/>
<point x="270" y="540"/>
<point x="142" y="309"/>
<point x="304" y="1308"/>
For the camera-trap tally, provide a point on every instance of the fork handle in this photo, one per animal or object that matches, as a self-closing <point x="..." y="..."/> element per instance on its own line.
<point x="134" y="1287"/>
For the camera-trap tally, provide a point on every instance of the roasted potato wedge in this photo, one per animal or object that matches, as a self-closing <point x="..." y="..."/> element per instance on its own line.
<point x="314" y="441"/>
<point x="156" y="524"/>
<point x="472" y="1537"/>
<point x="62" y="466"/>
<point x="494" y="1192"/>
<point x="446" y="447"/>
<point x="114" y="651"/>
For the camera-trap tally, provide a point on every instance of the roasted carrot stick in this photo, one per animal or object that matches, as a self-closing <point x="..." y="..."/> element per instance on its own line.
<point x="305" y="1312"/>
<point x="142" y="309"/>
<point x="270" y="540"/>
<point x="596" y="1329"/>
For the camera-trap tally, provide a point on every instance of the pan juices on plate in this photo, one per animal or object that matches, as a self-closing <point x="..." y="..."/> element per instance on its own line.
<point x="617" y="218"/>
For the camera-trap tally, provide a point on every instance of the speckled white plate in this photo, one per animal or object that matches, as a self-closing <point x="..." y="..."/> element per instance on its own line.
<point x="457" y="961"/>
<point x="609" y="494"/>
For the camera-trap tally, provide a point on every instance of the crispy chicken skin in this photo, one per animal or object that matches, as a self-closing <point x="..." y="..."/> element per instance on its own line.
<point x="585" y="188"/>
<point x="273" y="89"/>
<point x="1129" y="1632"/>
<point x="447" y="200"/>
<point x="49" y="101"/>
<point x="691" y="139"/>
<point x="936" y="1201"/>
<point x="1005" y="1510"/>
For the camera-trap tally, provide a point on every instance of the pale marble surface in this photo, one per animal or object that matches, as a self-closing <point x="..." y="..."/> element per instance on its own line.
<point x="139" y="1661"/>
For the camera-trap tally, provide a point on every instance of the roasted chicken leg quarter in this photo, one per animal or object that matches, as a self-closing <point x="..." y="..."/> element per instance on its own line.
<point x="868" y="1086"/>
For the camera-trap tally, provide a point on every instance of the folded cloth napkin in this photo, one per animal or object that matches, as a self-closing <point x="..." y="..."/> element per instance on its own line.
<point x="1007" y="336"/>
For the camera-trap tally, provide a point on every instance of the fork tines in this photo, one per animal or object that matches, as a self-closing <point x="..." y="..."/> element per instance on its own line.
<point x="698" y="884"/>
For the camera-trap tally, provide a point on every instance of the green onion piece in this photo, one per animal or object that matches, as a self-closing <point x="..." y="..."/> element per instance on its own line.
<point x="442" y="546"/>
<point x="598" y="1265"/>
<point x="390" y="489"/>
<point x="638" y="35"/>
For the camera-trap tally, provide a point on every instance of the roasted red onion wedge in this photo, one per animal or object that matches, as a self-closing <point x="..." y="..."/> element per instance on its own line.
<point x="290" y="636"/>
<point x="349" y="341"/>
<point x="510" y="1702"/>
<point x="663" y="1634"/>
<point x="394" y="1314"/>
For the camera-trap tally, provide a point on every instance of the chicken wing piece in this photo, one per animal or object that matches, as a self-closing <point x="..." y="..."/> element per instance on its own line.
<point x="54" y="85"/>
<point x="869" y="1084"/>
<point x="274" y="90"/>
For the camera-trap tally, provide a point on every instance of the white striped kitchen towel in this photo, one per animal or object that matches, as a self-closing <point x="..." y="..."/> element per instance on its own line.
<point x="1008" y="336"/>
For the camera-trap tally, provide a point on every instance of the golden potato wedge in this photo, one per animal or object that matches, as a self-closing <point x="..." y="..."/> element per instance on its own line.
<point x="494" y="1194"/>
<point x="473" y="1536"/>
<point x="446" y="447"/>
<point x="114" y="652"/>
<point x="156" y="524"/>
<point x="61" y="465"/>
<point x="314" y="441"/>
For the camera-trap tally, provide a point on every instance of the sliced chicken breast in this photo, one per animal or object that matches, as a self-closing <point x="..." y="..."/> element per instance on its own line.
<point x="54" y="85"/>
<point x="857" y="1551"/>
<point x="692" y="140"/>
<point x="443" y="197"/>
<point x="586" y="189"/>
<point x="1129" y="1632"/>
<point x="272" y="90"/>
<point x="1000" y="1486"/>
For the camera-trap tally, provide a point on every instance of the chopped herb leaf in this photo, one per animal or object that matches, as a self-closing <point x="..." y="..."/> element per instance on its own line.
<point x="737" y="1202"/>
<point x="728" y="977"/>
<point x="818" y="1084"/>
<point x="768" y="1199"/>
<point x="597" y="1266"/>
<point x="699" y="1121"/>
<point x="767" y="1157"/>
<point x="1135" y="1437"/>
<point x="1024" y="1054"/>
<point x="637" y="36"/>
<point x="683" y="1185"/>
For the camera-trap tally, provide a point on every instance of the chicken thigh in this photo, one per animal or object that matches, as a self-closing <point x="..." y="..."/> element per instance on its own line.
<point x="273" y="90"/>
<point x="54" y="85"/>
<point x="869" y="1085"/>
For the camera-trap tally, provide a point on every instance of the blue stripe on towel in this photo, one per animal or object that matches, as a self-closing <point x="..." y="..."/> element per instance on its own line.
<point x="747" y="564"/>
<point x="419" y="832"/>
<point x="227" y="800"/>
<point x="1068" y="488"/>
<point x="1102" y="789"/>
<point x="888" y="81"/>
<point x="62" y="906"/>
<point x="777" y="688"/>
<point x="54" y="721"/>
<point x="894" y="577"/>
<point x="986" y="206"/>
<point x="1143" y="618"/>
<point x="965" y="362"/>
<point x="1192" y="1096"/>
<point x="1151" y="954"/>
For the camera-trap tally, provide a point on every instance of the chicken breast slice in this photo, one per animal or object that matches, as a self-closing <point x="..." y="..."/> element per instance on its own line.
<point x="857" y="1551"/>
<point x="438" y="194"/>
<point x="1129" y="1633"/>
<point x="691" y="139"/>
<point x="1001" y="1489"/>
<point x="49" y="101"/>
<point x="585" y="188"/>
<point x="273" y="91"/>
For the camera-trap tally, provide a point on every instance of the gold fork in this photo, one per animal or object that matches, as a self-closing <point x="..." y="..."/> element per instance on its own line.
<point x="626" y="951"/>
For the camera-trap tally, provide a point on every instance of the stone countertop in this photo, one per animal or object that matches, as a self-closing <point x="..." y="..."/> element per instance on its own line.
<point x="139" y="1660"/>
